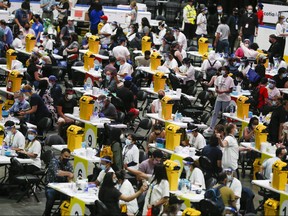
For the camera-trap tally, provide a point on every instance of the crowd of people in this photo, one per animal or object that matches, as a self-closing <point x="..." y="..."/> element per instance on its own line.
<point x="43" y="96"/>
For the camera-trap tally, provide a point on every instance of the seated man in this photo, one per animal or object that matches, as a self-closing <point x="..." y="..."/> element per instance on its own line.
<point x="143" y="61"/>
<point x="59" y="170"/>
<point x="55" y="89"/>
<point x="107" y="109"/>
<point x="196" y="139"/>
<point x="14" y="138"/>
<point x="20" y="104"/>
<point x="124" y="67"/>
<point x="157" y="132"/>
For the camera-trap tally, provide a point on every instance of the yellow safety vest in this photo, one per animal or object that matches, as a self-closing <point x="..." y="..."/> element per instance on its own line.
<point x="191" y="13"/>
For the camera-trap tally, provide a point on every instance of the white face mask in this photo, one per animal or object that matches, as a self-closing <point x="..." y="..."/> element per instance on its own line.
<point x="250" y="11"/>
<point x="223" y="72"/>
<point x="128" y="142"/>
<point x="50" y="84"/>
<point x="229" y="177"/>
<point x="187" y="168"/>
<point x="69" y="97"/>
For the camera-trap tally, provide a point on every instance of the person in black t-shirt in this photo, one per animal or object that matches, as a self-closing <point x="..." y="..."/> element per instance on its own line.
<point x="38" y="108"/>
<point x="66" y="105"/>
<point x="126" y="95"/>
<point x="249" y="25"/>
<point x="281" y="78"/>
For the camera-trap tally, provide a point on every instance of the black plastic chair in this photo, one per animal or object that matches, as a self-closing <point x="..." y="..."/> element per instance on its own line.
<point x="175" y="82"/>
<point x="262" y="192"/>
<point x="43" y="126"/>
<point x="26" y="181"/>
<point x="208" y="208"/>
<point x="141" y="97"/>
<point x="54" y="139"/>
<point x="78" y="77"/>
<point x="121" y="117"/>
<point x="144" y="124"/>
<point x="100" y="208"/>
<point x="192" y="90"/>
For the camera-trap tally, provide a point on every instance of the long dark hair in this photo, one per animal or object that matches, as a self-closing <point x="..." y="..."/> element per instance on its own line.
<point x="251" y="122"/>
<point x="159" y="173"/>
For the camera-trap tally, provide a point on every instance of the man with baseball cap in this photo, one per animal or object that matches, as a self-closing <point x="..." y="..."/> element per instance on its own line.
<point x="105" y="32"/>
<point x="14" y="138"/>
<point x="196" y="139"/>
<point x="68" y="29"/>
<point x="55" y="89"/>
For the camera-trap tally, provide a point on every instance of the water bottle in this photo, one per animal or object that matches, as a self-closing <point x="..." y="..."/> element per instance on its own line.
<point x="261" y="117"/>
<point x="152" y="85"/>
<point x="84" y="144"/>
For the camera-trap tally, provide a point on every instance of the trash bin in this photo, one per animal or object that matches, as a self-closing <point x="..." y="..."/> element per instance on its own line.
<point x="203" y="45"/>
<point x="10" y="56"/>
<point x="256" y="167"/>
<point x="74" y="137"/>
<point x="86" y="107"/>
<point x="88" y="61"/>
<point x="7" y="104"/>
<point x="155" y="60"/>
<point x="146" y="43"/>
<point x="159" y="81"/>
<point x="93" y="43"/>
<point x="260" y="135"/>
<point x="1" y="134"/>
<point x="100" y="26"/>
<point x="30" y="40"/>
<point x="271" y="207"/>
<point x="191" y="212"/>
<point x="14" y="81"/>
<point x="173" y="136"/>
<point x="172" y="170"/>
<point x="280" y="171"/>
<point x="167" y="106"/>
<point x="65" y="208"/>
<point x="205" y="56"/>
<point x="242" y="107"/>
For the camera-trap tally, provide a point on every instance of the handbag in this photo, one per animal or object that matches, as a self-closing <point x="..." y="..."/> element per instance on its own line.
<point x="61" y="17"/>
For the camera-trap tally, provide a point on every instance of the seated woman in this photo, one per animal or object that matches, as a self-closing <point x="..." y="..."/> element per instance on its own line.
<point x="170" y="62"/>
<point x="130" y="152"/>
<point x="248" y="133"/>
<point x="193" y="174"/>
<point x="72" y="51"/>
<point x="110" y="82"/>
<point x="32" y="150"/>
<point x="157" y="132"/>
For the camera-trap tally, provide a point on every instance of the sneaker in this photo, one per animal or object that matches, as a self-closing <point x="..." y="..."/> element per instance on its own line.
<point x="208" y="130"/>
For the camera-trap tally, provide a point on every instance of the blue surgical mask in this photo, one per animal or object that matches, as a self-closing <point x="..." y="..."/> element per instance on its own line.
<point x="31" y="137"/>
<point x="103" y="167"/>
<point x="219" y="11"/>
<point x="187" y="168"/>
<point x="270" y="85"/>
<point x="8" y="132"/>
<point x="118" y="63"/>
<point x="128" y="142"/>
<point x="16" y="100"/>
<point x="108" y="77"/>
<point x="284" y="75"/>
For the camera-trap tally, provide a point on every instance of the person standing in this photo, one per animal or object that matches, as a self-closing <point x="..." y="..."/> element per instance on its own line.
<point x="105" y="32"/>
<point x="249" y="25"/>
<point x="37" y="27"/>
<point x="201" y="29"/>
<point x="189" y="18"/>
<point x="233" y="23"/>
<point x="260" y="13"/>
<point x="8" y="35"/>
<point x="95" y="12"/>
<point x="281" y="34"/>
<point x="224" y="85"/>
<point x="222" y="33"/>
<point x="47" y="6"/>
<point x="134" y="12"/>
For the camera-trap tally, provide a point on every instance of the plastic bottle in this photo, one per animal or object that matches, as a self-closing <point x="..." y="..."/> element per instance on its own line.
<point x="151" y="85"/>
<point x="261" y="118"/>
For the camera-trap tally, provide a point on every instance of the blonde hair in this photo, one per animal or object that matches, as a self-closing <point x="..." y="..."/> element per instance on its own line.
<point x="134" y="4"/>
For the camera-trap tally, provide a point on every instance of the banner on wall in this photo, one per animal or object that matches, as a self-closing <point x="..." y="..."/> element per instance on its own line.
<point x="272" y="12"/>
<point x="80" y="167"/>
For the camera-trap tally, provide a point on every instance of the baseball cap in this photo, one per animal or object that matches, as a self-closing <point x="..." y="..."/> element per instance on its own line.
<point x="104" y="17"/>
<point x="70" y="18"/>
<point x="52" y="78"/>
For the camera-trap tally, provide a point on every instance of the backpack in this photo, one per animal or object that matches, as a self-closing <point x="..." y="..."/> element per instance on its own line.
<point x="253" y="76"/>
<point x="214" y="195"/>
<point x="254" y="97"/>
<point x="210" y="72"/>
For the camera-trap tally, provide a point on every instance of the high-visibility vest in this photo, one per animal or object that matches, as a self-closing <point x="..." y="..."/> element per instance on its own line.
<point x="191" y="13"/>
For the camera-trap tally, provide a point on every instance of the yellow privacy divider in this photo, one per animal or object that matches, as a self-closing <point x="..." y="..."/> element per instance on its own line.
<point x="14" y="81"/>
<point x="86" y="107"/>
<point x="155" y="60"/>
<point x="172" y="170"/>
<point x="271" y="207"/>
<point x="242" y="107"/>
<point x="173" y="136"/>
<point x="146" y="43"/>
<point x="280" y="171"/>
<point x="202" y="45"/>
<point x="88" y="61"/>
<point x="74" y="137"/>
<point x="30" y="40"/>
<point x="159" y="81"/>
<point x="191" y="212"/>
<point x="260" y="136"/>
<point x="10" y="56"/>
<point x="93" y="43"/>
<point x="167" y="106"/>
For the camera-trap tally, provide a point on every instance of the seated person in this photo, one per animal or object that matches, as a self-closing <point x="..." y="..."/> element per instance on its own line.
<point x="126" y="95"/>
<point x="111" y="66"/>
<point x="251" y="51"/>
<point x="156" y="104"/>
<point x="143" y="61"/>
<point x="130" y="152"/>
<point x="59" y="170"/>
<point x="281" y="78"/>
<point x="157" y="132"/>
<point x="196" y="139"/>
<point x="241" y="80"/>
<point x="209" y="63"/>
<point x="20" y="104"/>
<point x="14" y="138"/>
<point x="193" y="173"/>
<point x="107" y="109"/>
<point x="105" y="166"/>
<point x="273" y="93"/>
<point x="249" y="134"/>
<point x="124" y="67"/>
<point x="110" y="82"/>
<point x="85" y="44"/>
<point x="187" y="70"/>
<point x="32" y="149"/>
<point x="54" y="90"/>
<point x="170" y="62"/>
<point x="239" y="53"/>
<point x="17" y="42"/>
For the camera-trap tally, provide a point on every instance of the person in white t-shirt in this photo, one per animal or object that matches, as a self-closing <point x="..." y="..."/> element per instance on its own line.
<point x="230" y="148"/>
<point x="273" y="93"/>
<point x="17" y="42"/>
<point x="171" y="62"/>
<point x="180" y="38"/>
<point x="201" y="23"/>
<point x="126" y="188"/>
<point x="224" y="85"/>
<point x="130" y="152"/>
<point x="193" y="173"/>
<point x="196" y="139"/>
<point x="14" y="138"/>
<point x="235" y="185"/>
<point x="156" y="104"/>
<point x="105" y="32"/>
<point x="105" y="165"/>
<point x="125" y="68"/>
<point x="187" y="70"/>
<point x="121" y="49"/>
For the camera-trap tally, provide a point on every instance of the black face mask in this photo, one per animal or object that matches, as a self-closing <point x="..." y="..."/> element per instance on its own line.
<point x="65" y="160"/>
<point x="26" y="28"/>
<point x="157" y="133"/>
<point x="160" y="97"/>
<point x="270" y="41"/>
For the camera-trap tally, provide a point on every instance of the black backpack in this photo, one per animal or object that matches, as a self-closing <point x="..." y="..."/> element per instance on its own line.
<point x="211" y="71"/>
<point x="214" y="195"/>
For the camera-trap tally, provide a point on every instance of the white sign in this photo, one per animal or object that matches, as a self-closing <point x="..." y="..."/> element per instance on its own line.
<point x="271" y="12"/>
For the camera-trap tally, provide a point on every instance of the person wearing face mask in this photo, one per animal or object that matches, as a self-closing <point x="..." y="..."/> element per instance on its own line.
<point x="143" y="61"/>
<point x="230" y="148"/>
<point x="105" y="166"/>
<point x="124" y="67"/>
<point x="156" y="104"/>
<point x="281" y="78"/>
<point x="215" y="19"/>
<point x="110" y="82"/>
<point x="224" y="85"/>
<point x="162" y="30"/>
<point x="8" y="35"/>
<point x="38" y="109"/>
<point x="201" y="29"/>
<point x="173" y="207"/>
<point x="157" y="132"/>
<point x="235" y="185"/>
<point x="170" y="62"/>
<point x="233" y="23"/>
<point x="260" y="13"/>
<point x="273" y="93"/>
<point x="248" y="133"/>
<point x="107" y="109"/>
<point x="121" y="49"/>
<point x="59" y="170"/>
<point x="54" y="89"/>
<point x="14" y="138"/>
<point x="241" y="81"/>
<point x="105" y="32"/>
<point x="17" y="42"/>
<point x="37" y="26"/>
<point x="239" y="53"/>
<point x="193" y="174"/>
<point x="196" y="139"/>
<point x="23" y="14"/>
<point x="274" y="50"/>
<point x="281" y="28"/>
<point x="187" y="70"/>
<point x="27" y="30"/>
<point x="19" y="104"/>
<point x="221" y="42"/>
<point x="130" y="152"/>
<point x="180" y="38"/>
<point x="189" y="18"/>
<point x="95" y="11"/>
<point x="249" y="25"/>
<point x="32" y="149"/>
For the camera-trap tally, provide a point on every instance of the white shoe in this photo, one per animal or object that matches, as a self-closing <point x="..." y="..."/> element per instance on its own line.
<point x="208" y="130"/>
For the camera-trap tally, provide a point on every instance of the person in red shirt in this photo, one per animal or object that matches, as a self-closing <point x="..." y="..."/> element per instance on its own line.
<point x="260" y="14"/>
<point x="263" y="93"/>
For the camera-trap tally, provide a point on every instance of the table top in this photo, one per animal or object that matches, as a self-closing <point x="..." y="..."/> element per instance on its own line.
<point x="96" y="74"/>
<point x="4" y="89"/>
<point x="171" y="93"/>
<point x="57" y="57"/>
<point x="148" y="70"/>
<point x="67" y="189"/>
<point x="249" y="145"/>
<point x="4" y="67"/>
<point x="194" y="53"/>
<point x="83" y="51"/>
<point x="190" y="195"/>
<point x="234" y="116"/>
<point x="6" y="160"/>
<point x="99" y="124"/>
<point x="16" y="120"/>
<point x="283" y="90"/>
<point x="90" y="91"/>
<point x="271" y="73"/>
<point x="267" y="185"/>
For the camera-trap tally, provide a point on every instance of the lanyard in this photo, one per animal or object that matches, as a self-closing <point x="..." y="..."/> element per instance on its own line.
<point x="11" y="140"/>
<point x="150" y="195"/>
<point x="29" y="146"/>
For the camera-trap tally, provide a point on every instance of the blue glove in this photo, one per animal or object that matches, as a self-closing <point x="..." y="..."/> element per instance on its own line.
<point x="101" y="115"/>
<point x="129" y="61"/>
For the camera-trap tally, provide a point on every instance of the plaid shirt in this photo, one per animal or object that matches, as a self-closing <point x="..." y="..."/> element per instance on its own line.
<point x="54" y="166"/>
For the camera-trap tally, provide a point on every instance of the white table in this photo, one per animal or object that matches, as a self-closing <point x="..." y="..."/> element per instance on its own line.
<point x="271" y="73"/>
<point x="172" y="94"/>
<point x="234" y="116"/>
<point x="4" y="89"/>
<point x="148" y="70"/>
<point x="67" y="189"/>
<point x="234" y="94"/>
<point x="103" y="57"/>
<point x="153" y="145"/>
<point x="180" y="124"/>
<point x="190" y="195"/>
<point x="283" y="90"/>
<point x="96" y="74"/>
<point x="17" y="121"/>
<point x="99" y="124"/>
<point x="4" y="160"/>
<point x="90" y="91"/>
<point x="249" y="145"/>
<point x="57" y="57"/>
<point x="4" y="68"/>
<point x="194" y="54"/>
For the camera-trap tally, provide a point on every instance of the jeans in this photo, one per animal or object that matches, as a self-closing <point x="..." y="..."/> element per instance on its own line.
<point x="223" y="46"/>
<point x="51" y="196"/>
<point x="219" y="106"/>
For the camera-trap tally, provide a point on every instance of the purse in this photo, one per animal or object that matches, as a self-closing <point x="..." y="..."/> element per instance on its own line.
<point x="61" y="17"/>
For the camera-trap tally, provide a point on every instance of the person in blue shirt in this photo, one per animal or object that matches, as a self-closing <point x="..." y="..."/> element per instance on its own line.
<point x="8" y="35"/>
<point x="55" y="90"/>
<point x="23" y="15"/>
<point x="20" y="104"/>
<point x="37" y="27"/>
<point x="95" y="12"/>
